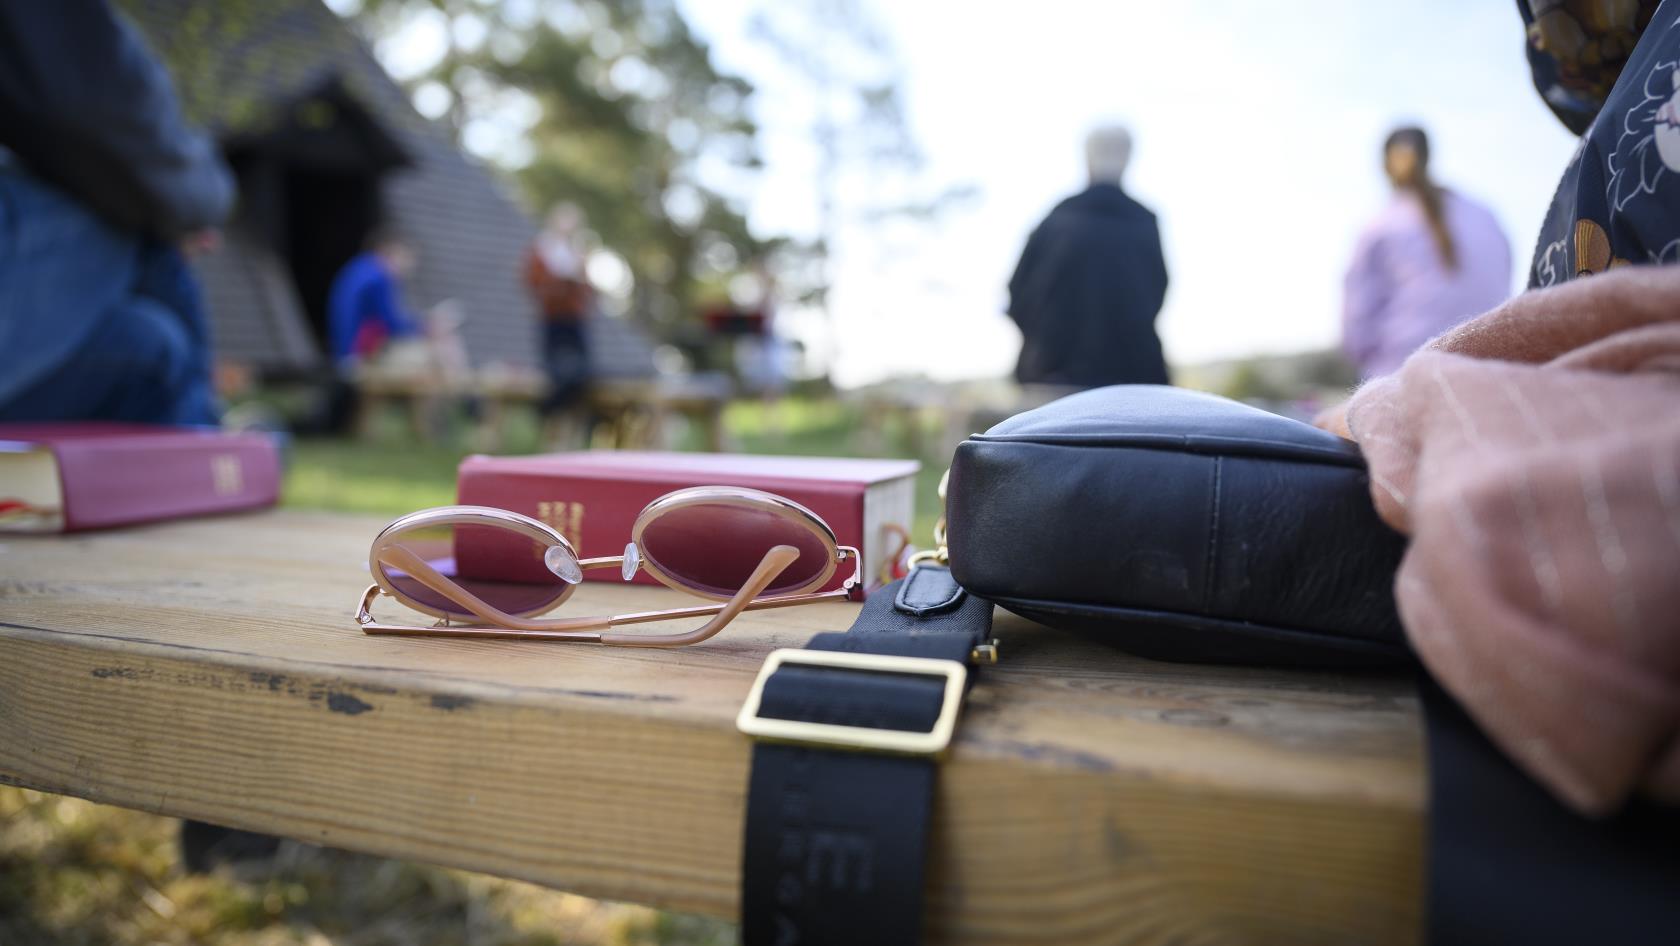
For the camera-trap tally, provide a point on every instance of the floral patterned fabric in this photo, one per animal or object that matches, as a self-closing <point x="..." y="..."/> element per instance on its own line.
<point x="1619" y="200"/>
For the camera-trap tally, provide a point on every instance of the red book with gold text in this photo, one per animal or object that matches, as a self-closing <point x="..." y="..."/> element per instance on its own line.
<point x="593" y="497"/>
<point x="67" y="477"/>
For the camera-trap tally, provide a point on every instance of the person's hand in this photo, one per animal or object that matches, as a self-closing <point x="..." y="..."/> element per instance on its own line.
<point x="199" y="242"/>
<point x="1334" y="419"/>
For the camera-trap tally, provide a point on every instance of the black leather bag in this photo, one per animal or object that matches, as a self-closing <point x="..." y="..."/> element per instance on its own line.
<point x="1180" y="526"/>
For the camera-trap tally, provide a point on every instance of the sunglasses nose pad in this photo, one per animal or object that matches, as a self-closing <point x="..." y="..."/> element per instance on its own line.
<point x="632" y="561"/>
<point x="563" y="564"/>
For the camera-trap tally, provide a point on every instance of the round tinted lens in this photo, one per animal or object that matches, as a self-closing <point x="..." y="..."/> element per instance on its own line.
<point x="505" y="569"/>
<point x="714" y="547"/>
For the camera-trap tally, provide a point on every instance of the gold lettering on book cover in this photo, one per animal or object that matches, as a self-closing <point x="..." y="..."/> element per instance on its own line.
<point x="567" y="517"/>
<point x="227" y="476"/>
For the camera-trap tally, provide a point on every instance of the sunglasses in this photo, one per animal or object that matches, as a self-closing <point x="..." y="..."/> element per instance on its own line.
<point x="499" y="571"/>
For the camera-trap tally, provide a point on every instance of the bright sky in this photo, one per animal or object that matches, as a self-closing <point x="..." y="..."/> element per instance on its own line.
<point x="1257" y="131"/>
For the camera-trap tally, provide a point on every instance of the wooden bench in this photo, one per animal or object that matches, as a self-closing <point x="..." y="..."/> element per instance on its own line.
<point x="211" y="669"/>
<point x="633" y="412"/>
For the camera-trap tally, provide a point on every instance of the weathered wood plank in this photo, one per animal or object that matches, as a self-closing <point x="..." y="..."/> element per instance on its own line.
<point x="211" y="669"/>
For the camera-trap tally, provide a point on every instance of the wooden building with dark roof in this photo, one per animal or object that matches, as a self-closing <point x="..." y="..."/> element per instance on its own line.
<point x="327" y="147"/>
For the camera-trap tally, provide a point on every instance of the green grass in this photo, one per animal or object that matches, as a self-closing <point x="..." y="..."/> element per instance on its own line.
<point x="73" y="873"/>
<point x="392" y="474"/>
<point x="389" y="479"/>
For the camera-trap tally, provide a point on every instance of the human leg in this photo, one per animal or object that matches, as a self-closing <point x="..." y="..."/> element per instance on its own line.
<point x="95" y="324"/>
<point x="566" y="361"/>
<point x="61" y="270"/>
<point x="137" y="365"/>
<point x="164" y="276"/>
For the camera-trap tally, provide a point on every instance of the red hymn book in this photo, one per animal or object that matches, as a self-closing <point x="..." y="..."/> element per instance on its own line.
<point x="594" y="497"/>
<point x="70" y="477"/>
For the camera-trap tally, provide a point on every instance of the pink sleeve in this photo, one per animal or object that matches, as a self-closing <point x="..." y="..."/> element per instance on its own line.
<point x="1533" y="456"/>
<point x="1365" y="293"/>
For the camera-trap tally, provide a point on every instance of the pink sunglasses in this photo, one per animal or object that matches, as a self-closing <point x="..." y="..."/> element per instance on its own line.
<point x="743" y="548"/>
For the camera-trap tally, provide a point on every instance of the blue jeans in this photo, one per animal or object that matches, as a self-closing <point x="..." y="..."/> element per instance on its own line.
<point x="95" y="324"/>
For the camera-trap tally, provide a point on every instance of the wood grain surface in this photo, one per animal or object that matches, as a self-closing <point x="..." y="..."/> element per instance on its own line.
<point x="211" y="669"/>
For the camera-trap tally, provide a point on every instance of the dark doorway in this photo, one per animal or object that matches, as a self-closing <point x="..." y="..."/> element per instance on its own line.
<point x="329" y="217"/>
<point x="310" y="183"/>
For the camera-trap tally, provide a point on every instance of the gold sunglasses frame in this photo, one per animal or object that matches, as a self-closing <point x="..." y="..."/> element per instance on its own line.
<point x="527" y="625"/>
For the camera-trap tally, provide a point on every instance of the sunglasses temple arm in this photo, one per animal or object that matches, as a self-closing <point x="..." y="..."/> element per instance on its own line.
<point x="846" y="592"/>
<point x="706" y="610"/>
<point x="773" y="564"/>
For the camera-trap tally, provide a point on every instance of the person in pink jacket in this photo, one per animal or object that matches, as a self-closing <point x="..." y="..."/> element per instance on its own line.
<point x="1432" y="259"/>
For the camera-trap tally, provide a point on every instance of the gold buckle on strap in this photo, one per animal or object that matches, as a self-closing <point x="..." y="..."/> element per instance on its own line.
<point x="857" y="738"/>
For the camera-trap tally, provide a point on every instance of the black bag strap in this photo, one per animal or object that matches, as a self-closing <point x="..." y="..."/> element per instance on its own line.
<point x="1510" y="864"/>
<point x="849" y="732"/>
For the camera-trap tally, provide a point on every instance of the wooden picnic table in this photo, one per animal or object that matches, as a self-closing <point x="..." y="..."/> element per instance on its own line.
<point x="210" y="669"/>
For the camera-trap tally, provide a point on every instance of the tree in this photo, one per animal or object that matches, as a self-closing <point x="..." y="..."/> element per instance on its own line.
<point x="628" y="109"/>
<point x="848" y="75"/>
<point x="868" y="162"/>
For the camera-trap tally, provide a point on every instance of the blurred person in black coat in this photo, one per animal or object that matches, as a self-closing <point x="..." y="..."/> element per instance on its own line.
<point x="1091" y="281"/>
